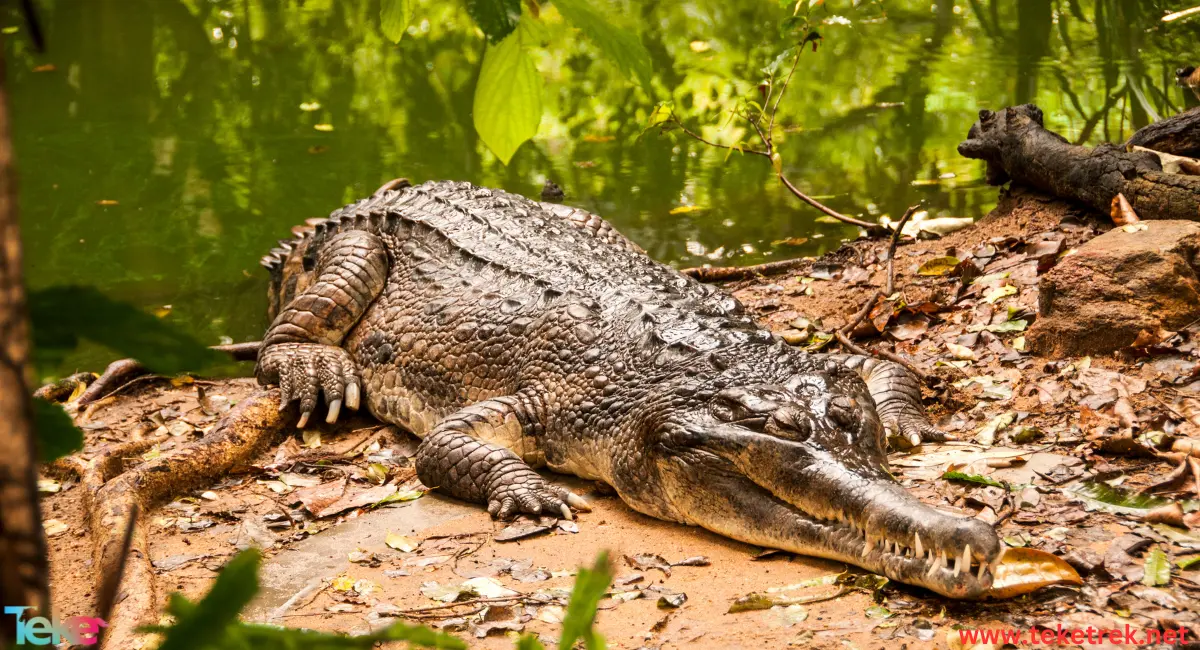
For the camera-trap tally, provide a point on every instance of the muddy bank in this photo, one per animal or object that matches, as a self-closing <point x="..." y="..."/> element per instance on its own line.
<point x="1048" y="450"/>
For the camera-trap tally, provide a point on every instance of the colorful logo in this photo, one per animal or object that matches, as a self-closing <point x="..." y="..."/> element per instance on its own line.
<point x="39" y="630"/>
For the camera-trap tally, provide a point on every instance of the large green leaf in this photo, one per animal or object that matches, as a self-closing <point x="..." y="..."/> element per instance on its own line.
<point x="497" y="18"/>
<point x="64" y="314"/>
<point x="590" y="587"/>
<point x="394" y="17"/>
<point x="621" y="45"/>
<point x="212" y="624"/>
<point x="508" y="97"/>
<point x="206" y="623"/>
<point x="57" y="435"/>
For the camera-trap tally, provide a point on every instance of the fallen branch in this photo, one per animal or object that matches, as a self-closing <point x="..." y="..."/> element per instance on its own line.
<point x="1178" y="135"/>
<point x="245" y="431"/>
<point x="730" y="273"/>
<point x="1017" y="147"/>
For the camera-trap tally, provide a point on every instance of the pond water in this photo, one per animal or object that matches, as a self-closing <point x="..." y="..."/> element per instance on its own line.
<point x="164" y="145"/>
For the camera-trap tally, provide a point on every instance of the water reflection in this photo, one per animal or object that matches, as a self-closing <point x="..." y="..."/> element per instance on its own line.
<point x="163" y="146"/>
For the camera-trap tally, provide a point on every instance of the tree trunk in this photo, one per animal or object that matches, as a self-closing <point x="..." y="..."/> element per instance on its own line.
<point x="23" y="562"/>
<point x="1017" y="147"/>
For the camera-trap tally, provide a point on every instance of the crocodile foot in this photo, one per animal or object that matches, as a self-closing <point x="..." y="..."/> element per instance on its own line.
<point x="522" y="490"/>
<point x="304" y="370"/>
<point x="910" y="427"/>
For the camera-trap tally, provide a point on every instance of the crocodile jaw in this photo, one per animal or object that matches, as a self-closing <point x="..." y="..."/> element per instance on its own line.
<point x="880" y="536"/>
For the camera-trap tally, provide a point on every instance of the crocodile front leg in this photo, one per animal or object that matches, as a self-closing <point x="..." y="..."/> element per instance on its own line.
<point x="301" y="348"/>
<point x="897" y="395"/>
<point x="468" y="456"/>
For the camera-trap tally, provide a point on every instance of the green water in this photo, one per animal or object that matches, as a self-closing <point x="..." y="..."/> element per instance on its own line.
<point x="167" y="149"/>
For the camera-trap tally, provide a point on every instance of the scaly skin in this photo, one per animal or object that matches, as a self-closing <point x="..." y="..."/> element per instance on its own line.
<point x="511" y="334"/>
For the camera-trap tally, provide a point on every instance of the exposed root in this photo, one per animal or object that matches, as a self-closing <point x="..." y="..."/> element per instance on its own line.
<point x="63" y="389"/>
<point x="117" y="374"/>
<point x="121" y="373"/>
<point x="245" y="431"/>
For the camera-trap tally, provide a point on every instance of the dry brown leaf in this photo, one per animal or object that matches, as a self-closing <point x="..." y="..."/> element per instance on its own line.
<point x="1023" y="570"/>
<point x="1122" y="213"/>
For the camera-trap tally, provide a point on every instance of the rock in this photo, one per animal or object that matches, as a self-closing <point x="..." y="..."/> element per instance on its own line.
<point x="1132" y="278"/>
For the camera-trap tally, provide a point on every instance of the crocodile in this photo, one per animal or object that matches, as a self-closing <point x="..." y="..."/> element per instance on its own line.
<point x="510" y="335"/>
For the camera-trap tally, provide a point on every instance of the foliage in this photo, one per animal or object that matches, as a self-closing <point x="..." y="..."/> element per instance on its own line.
<point x="590" y="587"/>
<point x="619" y="45"/>
<point x="394" y="18"/>
<point x="213" y="622"/>
<point x="62" y="315"/>
<point x="57" y="435"/>
<point x="508" y="98"/>
<point x="507" y="108"/>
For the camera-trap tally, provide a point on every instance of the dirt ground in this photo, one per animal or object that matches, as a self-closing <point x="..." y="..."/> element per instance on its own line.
<point x="1054" y="452"/>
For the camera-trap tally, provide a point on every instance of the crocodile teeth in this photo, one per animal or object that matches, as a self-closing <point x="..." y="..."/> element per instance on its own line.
<point x="983" y="567"/>
<point x="964" y="561"/>
<point x="920" y="549"/>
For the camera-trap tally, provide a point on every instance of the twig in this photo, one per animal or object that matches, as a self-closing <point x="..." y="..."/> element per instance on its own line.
<point x="891" y="275"/>
<point x="862" y="313"/>
<point x="116" y="374"/>
<point x="478" y="601"/>
<point x="728" y="273"/>
<point x="821" y="206"/>
<point x="697" y="136"/>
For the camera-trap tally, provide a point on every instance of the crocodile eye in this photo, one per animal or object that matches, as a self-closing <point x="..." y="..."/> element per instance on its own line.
<point x="789" y="422"/>
<point x="844" y="412"/>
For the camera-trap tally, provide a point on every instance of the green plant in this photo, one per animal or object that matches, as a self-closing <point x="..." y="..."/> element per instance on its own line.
<point x="213" y="622"/>
<point x="508" y="95"/>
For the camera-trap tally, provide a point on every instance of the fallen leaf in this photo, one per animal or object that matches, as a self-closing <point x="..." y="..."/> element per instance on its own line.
<point x="671" y="601"/>
<point x="522" y="528"/>
<point x="48" y="486"/>
<point x="319" y="497"/>
<point x="310" y="106"/>
<point x="971" y="478"/>
<point x="54" y="527"/>
<point x="323" y="127"/>
<point x="401" y="543"/>
<point x="312" y="438"/>
<point x="488" y="588"/>
<point x="938" y="266"/>
<point x="648" y="561"/>
<point x="1024" y="570"/>
<point x="684" y="209"/>
<point x="1157" y="568"/>
<point x="986" y="435"/>
<point x="1122" y="212"/>
<point x="999" y="292"/>
<point x="961" y="351"/>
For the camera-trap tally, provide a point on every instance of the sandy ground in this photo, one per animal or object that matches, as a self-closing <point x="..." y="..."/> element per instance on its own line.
<point x="363" y="567"/>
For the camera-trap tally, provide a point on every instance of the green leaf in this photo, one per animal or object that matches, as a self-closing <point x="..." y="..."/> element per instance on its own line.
<point x="64" y="314"/>
<point x="207" y="622"/>
<point x="395" y="17"/>
<point x="620" y="45"/>
<point x="1158" y="568"/>
<point x="590" y="587"/>
<point x="1098" y="495"/>
<point x="497" y="18"/>
<point x="57" y="435"/>
<point x="508" y="97"/>
<point x="938" y="266"/>
<point x="1188" y="562"/>
<point x="972" y="478"/>
<point x="529" y="642"/>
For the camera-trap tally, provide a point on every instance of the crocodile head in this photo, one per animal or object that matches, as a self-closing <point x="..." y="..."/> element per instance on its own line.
<point x="801" y="466"/>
